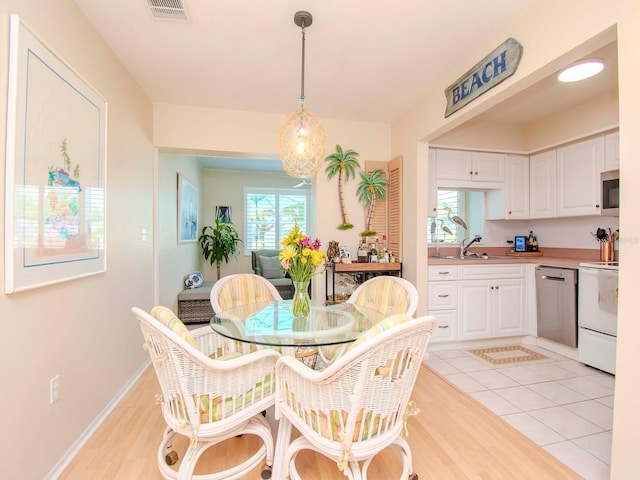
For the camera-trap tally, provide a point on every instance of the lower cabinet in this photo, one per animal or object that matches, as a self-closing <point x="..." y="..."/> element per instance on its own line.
<point x="477" y="301"/>
<point x="491" y="308"/>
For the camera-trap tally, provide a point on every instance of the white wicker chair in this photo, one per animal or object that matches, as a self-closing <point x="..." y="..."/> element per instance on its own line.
<point x="241" y="289"/>
<point x="387" y="294"/>
<point x="209" y="394"/>
<point x="356" y="407"/>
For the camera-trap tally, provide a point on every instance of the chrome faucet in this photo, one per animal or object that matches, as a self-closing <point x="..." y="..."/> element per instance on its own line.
<point x="463" y="247"/>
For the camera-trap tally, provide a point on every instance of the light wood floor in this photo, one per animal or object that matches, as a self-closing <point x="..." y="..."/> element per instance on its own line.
<point x="453" y="437"/>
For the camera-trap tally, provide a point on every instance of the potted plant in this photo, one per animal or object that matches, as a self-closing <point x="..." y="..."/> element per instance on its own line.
<point x="343" y="163"/>
<point x="219" y="243"/>
<point x="371" y="189"/>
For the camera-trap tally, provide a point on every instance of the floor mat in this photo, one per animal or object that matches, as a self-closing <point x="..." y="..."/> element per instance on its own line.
<point x="507" y="355"/>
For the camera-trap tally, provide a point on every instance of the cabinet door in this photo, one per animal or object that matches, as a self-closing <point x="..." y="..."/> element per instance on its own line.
<point x="517" y="187"/>
<point x="488" y="167"/>
<point x="447" y="329"/>
<point x="432" y="194"/>
<point x="612" y="151"/>
<point x="542" y="181"/>
<point x="578" y="169"/>
<point x="474" y="309"/>
<point x="508" y="307"/>
<point x="454" y="165"/>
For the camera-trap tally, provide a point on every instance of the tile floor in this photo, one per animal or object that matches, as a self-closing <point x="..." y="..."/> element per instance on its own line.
<point x="561" y="404"/>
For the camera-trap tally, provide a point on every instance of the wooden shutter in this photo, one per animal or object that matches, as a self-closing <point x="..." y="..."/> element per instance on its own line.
<point x="394" y="207"/>
<point x="387" y="218"/>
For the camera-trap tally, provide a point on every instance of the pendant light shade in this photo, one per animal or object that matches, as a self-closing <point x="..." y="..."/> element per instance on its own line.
<point x="302" y="141"/>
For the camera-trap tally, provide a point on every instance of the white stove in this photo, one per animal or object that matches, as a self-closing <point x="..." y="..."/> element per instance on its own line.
<point x="598" y="314"/>
<point x="602" y="265"/>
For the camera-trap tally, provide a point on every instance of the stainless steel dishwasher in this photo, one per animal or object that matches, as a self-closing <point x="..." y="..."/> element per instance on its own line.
<point x="556" y="294"/>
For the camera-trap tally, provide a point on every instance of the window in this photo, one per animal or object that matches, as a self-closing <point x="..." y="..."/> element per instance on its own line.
<point x="466" y="205"/>
<point x="270" y="213"/>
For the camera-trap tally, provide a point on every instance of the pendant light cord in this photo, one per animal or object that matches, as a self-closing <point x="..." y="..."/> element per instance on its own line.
<point x="302" y="76"/>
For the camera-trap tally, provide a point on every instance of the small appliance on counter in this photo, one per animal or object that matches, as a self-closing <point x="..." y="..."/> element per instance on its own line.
<point x="526" y="244"/>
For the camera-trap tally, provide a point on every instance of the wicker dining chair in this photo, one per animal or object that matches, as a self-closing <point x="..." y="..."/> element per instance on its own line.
<point x="241" y="289"/>
<point x="210" y="393"/>
<point x="386" y="294"/>
<point x="357" y="406"/>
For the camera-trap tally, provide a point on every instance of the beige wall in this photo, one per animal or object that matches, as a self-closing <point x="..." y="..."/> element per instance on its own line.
<point x="552" y="35"/>
<point x="176" y="260"/>
<point x="82" y="330"/>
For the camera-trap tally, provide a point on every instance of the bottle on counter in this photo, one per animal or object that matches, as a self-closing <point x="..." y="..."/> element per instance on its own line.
<point x="373" y="253"/>
<point x="530" y="241"/>
<point x="534" y="246"/>
<point x="363" y="254"/>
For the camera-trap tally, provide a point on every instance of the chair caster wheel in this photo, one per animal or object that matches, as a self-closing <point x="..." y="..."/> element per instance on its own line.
<point x="264" y="413"/>
<point x="413" y="476"/>
<point x="171" y="458"/>
<point x="266" y="472"/>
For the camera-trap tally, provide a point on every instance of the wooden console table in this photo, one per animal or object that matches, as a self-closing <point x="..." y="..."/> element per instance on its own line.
<point x="365" y="270"/>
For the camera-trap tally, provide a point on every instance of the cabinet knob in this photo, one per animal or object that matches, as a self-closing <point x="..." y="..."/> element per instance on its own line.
<point x="509" y="212"/>
<point x="492" y="287"/>
<point x="497" y="287"/>
<point x="597" y="206"/>
<point x="475" y="173"/>
<point x="471" y="172"/>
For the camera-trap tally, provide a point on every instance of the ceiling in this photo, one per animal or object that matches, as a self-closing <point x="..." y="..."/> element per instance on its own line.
<point x="366" y="60"/>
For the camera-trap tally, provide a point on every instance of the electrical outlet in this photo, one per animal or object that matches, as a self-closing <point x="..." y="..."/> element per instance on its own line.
<point x="54" y="389"/>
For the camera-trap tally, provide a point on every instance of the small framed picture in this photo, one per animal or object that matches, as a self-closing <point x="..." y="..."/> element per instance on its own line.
<point x="223" y="214"/>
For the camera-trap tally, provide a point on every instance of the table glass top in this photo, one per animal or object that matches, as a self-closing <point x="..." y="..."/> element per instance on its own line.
<point x="273" y="324"/>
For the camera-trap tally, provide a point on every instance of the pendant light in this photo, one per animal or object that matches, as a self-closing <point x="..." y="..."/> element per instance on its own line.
<point x="302" y="142"/>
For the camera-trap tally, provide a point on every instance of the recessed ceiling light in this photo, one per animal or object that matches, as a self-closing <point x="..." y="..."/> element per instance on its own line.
<point x="581" y="70"/>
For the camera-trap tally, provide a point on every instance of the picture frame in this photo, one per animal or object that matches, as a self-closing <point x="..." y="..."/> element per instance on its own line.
<point x="187" y="211"/>
<point x="223" y="213"/>
<point x="55" y="168"/>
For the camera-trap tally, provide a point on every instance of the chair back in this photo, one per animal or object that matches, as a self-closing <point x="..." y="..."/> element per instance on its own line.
<point x="364" y="396"/>
<point x="387" y="294"/>
<point x="241" y="289"/>
<point x="200" y="389"/>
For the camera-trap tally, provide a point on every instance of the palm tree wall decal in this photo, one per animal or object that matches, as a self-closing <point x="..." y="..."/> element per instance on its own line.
<point x="370" y="190"/>
<point x="343" y="163"/>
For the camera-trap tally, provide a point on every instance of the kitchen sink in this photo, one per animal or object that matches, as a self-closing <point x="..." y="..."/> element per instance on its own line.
<point x="478" y="257"/>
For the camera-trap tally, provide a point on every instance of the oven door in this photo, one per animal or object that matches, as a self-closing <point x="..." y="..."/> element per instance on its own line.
<point x="598" y="300"/>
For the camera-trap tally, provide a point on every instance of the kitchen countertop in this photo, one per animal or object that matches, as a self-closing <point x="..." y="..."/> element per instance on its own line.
<point x="556" y="257"/>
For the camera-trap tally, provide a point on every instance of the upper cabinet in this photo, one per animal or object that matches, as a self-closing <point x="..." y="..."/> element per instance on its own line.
<point x="542" y="181"/>
<point x="612" y="151"/>
<point x="512" y="202"/>
<point x="578" y="170"/>
<point x="466" y="166"/>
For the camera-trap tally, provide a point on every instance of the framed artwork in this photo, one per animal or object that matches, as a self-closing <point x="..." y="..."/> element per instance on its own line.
<point x="55" y="168"/>
<point x="187" y="211"/>
<point x="223" y="214"/>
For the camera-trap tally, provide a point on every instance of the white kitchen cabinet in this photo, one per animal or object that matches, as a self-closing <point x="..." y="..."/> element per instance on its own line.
<point x="491" y="301"/>
<point x="542" y="183"/>
<point x="612" y="151"/>
<point x="432" y="195"/>
<point x="578" y="168"/>
<point x="512" y="202"/>
<point x="469" y="166"/>
<point x="443" y="302"/>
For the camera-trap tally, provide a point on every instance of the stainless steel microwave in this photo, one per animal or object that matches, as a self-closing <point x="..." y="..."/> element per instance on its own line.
<point x="610" y="193"/>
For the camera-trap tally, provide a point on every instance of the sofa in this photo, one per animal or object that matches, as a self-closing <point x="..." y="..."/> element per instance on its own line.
<point x="266" y="264"/>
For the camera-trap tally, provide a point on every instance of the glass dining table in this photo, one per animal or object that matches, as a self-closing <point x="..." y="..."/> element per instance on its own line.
<point x="273" y="324"/>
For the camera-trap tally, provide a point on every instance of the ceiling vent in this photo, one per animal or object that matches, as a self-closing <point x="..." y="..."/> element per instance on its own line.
<point x="168" y="10"/>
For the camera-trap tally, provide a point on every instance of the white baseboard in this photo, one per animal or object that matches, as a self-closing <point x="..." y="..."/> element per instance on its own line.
<point x="59" y="467"/>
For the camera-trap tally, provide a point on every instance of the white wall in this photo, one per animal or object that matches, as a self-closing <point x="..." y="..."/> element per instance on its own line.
<point x="553" y="34"/>
<point x="82" y="330"/>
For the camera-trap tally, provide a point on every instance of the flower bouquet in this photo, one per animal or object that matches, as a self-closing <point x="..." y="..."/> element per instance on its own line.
<point x="300" y="257"/>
